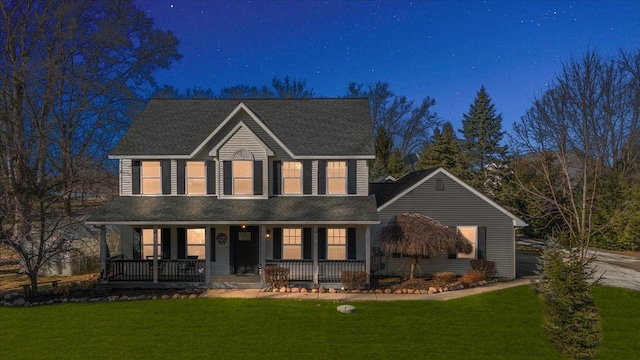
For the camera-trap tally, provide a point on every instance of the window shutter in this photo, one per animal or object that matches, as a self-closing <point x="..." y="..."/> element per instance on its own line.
<point x="227" y="177"/>
<point x="257" y="177"/>
<point x="351" y="176"/>
<point x="181" y="177"/>
<point x="165" y="238"/>
<point x="135" y="177"/>
<point x="351" y="243"/>
<point x="182" y="243"/>
<point x="165" y="167"/>
<point x="211" y="177"/>
<point x="482" y="242"/>
<point x="277" y="177"/>
<point x="212" y="256"/>
<point x="277" y="243"/>
<point x="322" y="177"/>
<point x="306" y="243"/>
<point x="137" y="244"/>
<point x="306" y="177"/>
<point x="322" y="243"/>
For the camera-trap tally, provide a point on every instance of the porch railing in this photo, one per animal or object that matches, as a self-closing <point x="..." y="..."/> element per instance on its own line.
<point x="182" y="270"/>
<point x="328" y="270"/>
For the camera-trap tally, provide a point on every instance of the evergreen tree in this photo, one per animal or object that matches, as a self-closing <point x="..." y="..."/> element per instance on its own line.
<point x="396" y="166"/>
<point x="444" y="151"/>
<point x="482" y="132"/>
<point x="382" y="146"/>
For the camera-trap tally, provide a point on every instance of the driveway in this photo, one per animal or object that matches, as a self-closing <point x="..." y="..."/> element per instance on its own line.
<point x="613" y="269"/>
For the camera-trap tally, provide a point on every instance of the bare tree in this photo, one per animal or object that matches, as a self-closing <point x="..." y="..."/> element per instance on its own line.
<point x="70" y="75"/>
<point x="575" y="134"/>
<point x="408" y="125"/>
<point x="291" y="88"/>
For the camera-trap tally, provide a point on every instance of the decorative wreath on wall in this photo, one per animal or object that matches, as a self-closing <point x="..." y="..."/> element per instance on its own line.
<point x="222" y="238"/>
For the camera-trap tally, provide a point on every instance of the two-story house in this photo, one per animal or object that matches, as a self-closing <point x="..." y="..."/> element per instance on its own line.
<point x="211" y="188"/>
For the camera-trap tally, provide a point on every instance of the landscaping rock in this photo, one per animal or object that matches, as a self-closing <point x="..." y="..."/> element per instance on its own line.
<point x="166" y="297"/>
<point x="113" y="298"/>
<point x="387" y="291"/>
<point x="27" y="304"/>
<point x="123" y="297"/>
<point x="295" y="290"/>
<point x="7" y="296"/>
<point x="154" y="297"/>
<point x="332" y="291"/>
<point x="347" y="309"/>
<point x="303" y="290"/>
<point x="275" y="290"/>
<point x="193" y="296"/>
<point x="322" y="290"/>
<point x="314" y="290"/>
<point x="283" y="289"/>
<point x="379" y="291"/>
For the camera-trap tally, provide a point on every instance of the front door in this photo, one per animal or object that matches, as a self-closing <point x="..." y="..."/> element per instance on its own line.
<point x="245" y="249"/>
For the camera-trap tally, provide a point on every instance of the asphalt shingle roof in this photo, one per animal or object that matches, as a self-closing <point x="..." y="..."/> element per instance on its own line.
<point x="193" y="209"/>
<point x="387" y="190"/>
<point x="339" y="127"/>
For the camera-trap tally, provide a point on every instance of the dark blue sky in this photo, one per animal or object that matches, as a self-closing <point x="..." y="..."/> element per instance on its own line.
<point x="442" y="49"/>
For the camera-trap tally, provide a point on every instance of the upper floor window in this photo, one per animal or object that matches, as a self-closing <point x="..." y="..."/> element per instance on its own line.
<point x="292" y="244"/>
<point x="292" y="177"/>
<point x="337" y="177"/>
<point x="150" y="177"/>
<point x="196" y="177"/>
<point x="242" y="171"/>
<point x="336" y="244"/>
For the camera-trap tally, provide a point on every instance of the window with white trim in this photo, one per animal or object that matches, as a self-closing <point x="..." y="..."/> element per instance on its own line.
<point x="292" y="177"/>
<point x="150" y="178"/>
<point x="470" y="233"/>
<point x="336" y="244"/>
<point x="196" y="243"/>
<point x="242" y="171"/>
<point x="147" y="244"/>
<point x="196" y="178"/>
<point x="336" y="177"/>
<point x="291" y="243"/>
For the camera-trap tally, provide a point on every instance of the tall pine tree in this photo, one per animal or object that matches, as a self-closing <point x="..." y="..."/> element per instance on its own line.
<point x="482" y="135"/>
<point x="443" y="151"/>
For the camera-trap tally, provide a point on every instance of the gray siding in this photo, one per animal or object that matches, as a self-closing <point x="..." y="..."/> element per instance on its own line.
<point x="243" y="139"/>
<point x="125" y="177"/>
<point x="455" y="206"/>
<point x="362" y="173"/>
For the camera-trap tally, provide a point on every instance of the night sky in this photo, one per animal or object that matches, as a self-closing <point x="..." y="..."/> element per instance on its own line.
<point x="442" y="49"/>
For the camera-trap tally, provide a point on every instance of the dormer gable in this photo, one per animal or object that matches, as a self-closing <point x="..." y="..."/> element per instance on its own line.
<point x="240" y="137"/>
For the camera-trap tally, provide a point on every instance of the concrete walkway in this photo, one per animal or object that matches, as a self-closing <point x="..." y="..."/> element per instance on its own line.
<point x="341" y="297"/>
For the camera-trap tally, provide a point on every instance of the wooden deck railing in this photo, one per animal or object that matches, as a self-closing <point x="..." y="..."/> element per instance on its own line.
<point x="328" y="270"/>
<point x="183" y="270"/>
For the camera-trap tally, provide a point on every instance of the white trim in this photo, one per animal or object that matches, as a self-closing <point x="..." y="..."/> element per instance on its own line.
<point x="241" y="106"/>
<point x="294" y="157"/>
<point x="230" y="134"/>
<point x="516" y="221"/>
<point x="334" y="157"/>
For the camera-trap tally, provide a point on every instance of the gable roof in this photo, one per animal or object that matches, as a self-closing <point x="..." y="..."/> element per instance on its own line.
<point x="308" y="127"/>
<point x="389" y="191"/>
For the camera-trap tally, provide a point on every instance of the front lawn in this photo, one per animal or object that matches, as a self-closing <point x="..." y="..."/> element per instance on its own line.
<point x="497" y="325"/>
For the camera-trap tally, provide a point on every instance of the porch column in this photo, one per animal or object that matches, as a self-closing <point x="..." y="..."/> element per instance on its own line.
<point x="314" y="255"/>
<point x="262" y="245"/>
<point x="208" y="243"/>
<point x="103" y="252"/>
<point x="367" y="252"/>
<point x="155" y="254"/>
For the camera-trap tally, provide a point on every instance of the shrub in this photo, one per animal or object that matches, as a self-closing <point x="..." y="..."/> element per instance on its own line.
<point x="442" y="279"/>
<point x="353" y="280"/>
<point x="472" y="277"/>
<point x="486" y="267"/>
<point x="276" y="276"/>
<point x="571" y="318"/>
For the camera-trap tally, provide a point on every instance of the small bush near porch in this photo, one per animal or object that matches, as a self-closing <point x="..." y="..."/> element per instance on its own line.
<point x="497" y="325"/>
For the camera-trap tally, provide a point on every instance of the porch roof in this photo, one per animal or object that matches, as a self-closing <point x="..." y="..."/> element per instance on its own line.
<point x="149" y="210"/>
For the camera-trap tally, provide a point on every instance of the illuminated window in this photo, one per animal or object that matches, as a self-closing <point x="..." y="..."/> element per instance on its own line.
<point x="337" y="177"/>
<point x="150" y="178"/>
<point x="336" y="244"/>
<point x="292" y="177"/>
<point x="470" y="233"/>
<point x="147" y="243"/>
<point x="196" y="243"/>
<point x="242" y="177"/>
<point x="196" y="178"/>
<point x="292" y="244"/>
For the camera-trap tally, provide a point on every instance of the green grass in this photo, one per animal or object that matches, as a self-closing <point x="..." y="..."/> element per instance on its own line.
<point x="497" y="325"/>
